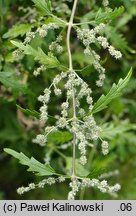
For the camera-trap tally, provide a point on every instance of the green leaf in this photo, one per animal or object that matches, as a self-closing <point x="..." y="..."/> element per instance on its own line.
<point x="101" y="16"/>
<point x="32" y="112"/>
<point x="18" y="44"/>
<point x="34" y="165"/>
<point x="118" y="40"/>
<point x="109" y="130"/>
<point x="29" y="112"/>
<point x="17" y="30"/>
<point x="9" y="80"/>
<point x="43" y="6"/>
<point x="59" y="137"/>
<point x="86" y="71"/>
<point x="39" y="55"/>
<point x="108" y="15"/>
<point x="96" y="172"/>
<point x="57" y="20"/>
<point x="115" y="91"/>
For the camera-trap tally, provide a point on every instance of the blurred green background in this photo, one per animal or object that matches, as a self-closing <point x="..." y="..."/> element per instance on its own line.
<point x="18" y="86"/>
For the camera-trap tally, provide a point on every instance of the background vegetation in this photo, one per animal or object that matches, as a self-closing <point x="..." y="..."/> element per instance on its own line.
<point x="19" y="88"/>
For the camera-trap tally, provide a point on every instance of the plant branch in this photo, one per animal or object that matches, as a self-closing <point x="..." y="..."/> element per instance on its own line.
<point x="70" y="24"/>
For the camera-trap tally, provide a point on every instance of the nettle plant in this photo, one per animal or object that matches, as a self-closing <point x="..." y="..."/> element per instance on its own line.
<point x="74" y="121"/>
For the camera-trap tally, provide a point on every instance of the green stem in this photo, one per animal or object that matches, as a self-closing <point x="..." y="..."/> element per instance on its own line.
<point x="70" y="25"/>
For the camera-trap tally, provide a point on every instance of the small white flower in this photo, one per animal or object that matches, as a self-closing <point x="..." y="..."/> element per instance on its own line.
<point x="61" y="179"/>
<point x="65" y="105"/>
<point x="57" y="92"/>
<point x="81" y="112"/>
<point x="31" y="186"/>
<point x="62" y="122"/>
<point x="57" y="79"/>
<point x="40" y="139"/>
<point x="83" y="160"/>
<point x="115" y="53"/>
<point x="105" y="147"/>
<point x="20" y="190"/>
<point x="87" y="51"/>
<point x="103" y="42"/>
<point x="42" y="32"/>
<point x="50" y="181"/>
<point x="71" y="196"/>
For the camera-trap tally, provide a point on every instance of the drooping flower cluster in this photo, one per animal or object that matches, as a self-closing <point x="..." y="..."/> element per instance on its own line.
<point x="84" y="127"/>
<point x="109" y="174"/>
<point x="55" y="47"/>
<point x="29" y="37"/>
<point x="74" y="185"/>
<point x="103" y="186"/>
<point x="38" y="70"/>
<point x="41" y="184"/>
<point x="93" y="36"/>
<point x="105" y="147"/>
<point x="42" y="31"/>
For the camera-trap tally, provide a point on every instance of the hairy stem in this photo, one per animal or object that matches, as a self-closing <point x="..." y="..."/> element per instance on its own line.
<point x="70" y="24"/>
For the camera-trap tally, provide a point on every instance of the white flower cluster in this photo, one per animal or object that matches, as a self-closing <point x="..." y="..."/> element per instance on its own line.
<point x="105" y="3"/>
<point x="17" y="54"/>
<point x="105" y="147"/>
<point x="41" y="184"/>
<point x="103" y="41"/>
<point x="109" y="174"/>
<point x="95" y="183"/>
<point x="38" y="70"/>
<point x="40" y="139"/>
<point x="89" y="37"/>
<point x="64" y="106"/>
<point x="45" y="100"/>
<point x="101" y="185"/>
<point x="55" y="47"/>
<point x="29" y="37"/>
<point x="62" y="122"/>
<point x="90" y="128"/>
<point x="75" y="185"/>
<point x="43" y="30"/>
<point x="85" y="130"/>
<point x="115" y="53"/>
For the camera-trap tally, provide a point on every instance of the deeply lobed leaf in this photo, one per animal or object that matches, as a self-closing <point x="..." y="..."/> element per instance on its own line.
<point x="32" y="163"/>
<point x="17" y="30"/>
<point x="108" y="15"/>
<point x="49" y="61"/>
<point x="115" y="91"/>
<point x="44" y="6"/>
